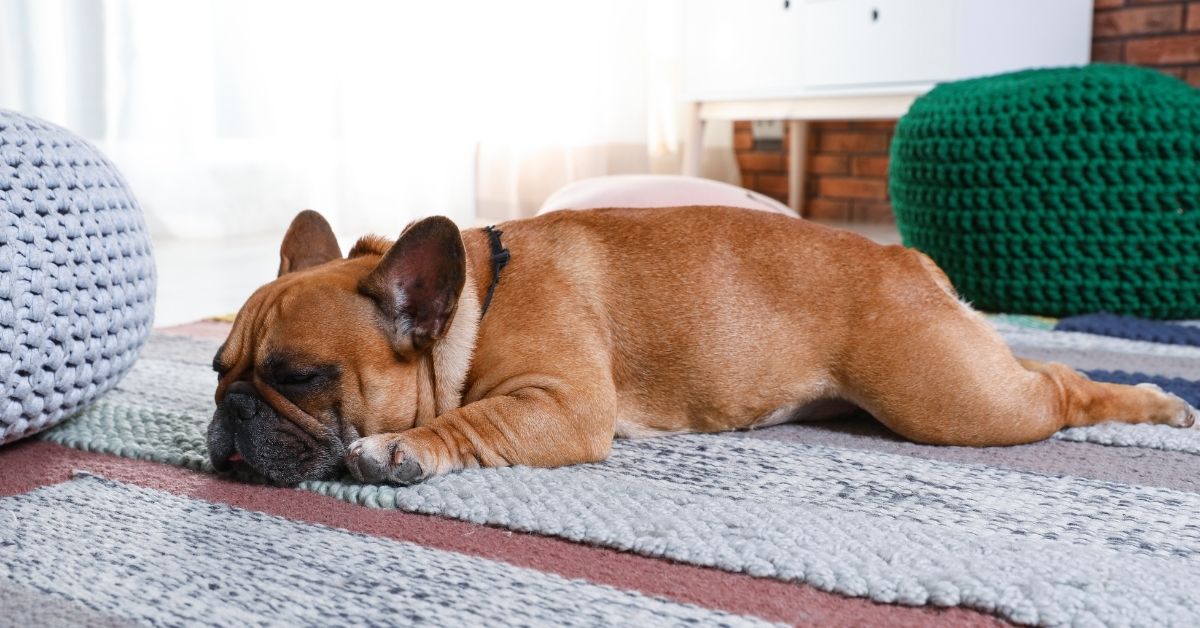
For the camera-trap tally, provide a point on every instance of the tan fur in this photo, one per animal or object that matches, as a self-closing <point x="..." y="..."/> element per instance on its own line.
<point x="693" y="319"/>
<point x="451" y="357"/>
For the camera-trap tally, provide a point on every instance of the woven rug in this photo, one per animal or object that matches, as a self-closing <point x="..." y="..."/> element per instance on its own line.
<point x="1096" y="526"/>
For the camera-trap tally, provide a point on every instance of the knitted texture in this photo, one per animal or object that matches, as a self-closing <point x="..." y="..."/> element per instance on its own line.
<point x="1032" y="546"/>
<point x="1132" y="328"/>
<point x="1187" y="390"/>
<point x="1057" y="191"/>
<point x="164" y="560"/>
<point x="76" y="275"/>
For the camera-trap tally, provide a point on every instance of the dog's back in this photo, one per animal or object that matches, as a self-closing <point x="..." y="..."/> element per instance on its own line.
<point x="711" y="317"/>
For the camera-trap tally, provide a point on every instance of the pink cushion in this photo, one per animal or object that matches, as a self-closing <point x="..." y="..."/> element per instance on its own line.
<point x="656" y="190"/>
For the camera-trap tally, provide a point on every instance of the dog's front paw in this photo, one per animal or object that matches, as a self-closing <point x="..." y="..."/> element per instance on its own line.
<point x="384" y="458"/>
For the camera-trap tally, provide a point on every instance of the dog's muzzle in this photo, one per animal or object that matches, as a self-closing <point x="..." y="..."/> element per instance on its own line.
<point x="247" y="428"/>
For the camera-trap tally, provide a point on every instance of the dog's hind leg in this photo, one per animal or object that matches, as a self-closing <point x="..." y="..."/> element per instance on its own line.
<point x="1085" y="402"/>
<point x="978" y="394"/>
<point x="947" y="377"/>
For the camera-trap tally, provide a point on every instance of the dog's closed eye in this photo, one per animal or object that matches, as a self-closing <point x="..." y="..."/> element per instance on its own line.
<point x="296" y="376"/>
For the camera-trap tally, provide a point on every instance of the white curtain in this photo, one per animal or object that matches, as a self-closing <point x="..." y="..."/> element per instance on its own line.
<point x="229" y="116"/>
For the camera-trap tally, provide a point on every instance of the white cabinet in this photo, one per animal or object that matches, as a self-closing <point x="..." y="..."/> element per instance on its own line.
<point x="742" y="48"/>
<point x="762" y="49"/>
<point x="873" y="42"/>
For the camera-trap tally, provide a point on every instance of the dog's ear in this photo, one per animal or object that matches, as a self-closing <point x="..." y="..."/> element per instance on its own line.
<point x="417" y="283"/>
<point x="308" y="242"/>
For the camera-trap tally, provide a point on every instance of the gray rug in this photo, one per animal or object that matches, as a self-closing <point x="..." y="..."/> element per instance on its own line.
<point x="1064" y="532"/>
<point x="200" y="564"/>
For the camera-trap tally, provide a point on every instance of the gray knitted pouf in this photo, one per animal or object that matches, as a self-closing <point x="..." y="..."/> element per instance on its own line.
<point x="76" y="275"/>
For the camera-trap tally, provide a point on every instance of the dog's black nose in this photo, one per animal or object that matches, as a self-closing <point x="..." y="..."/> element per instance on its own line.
<point x="240" y="406"/>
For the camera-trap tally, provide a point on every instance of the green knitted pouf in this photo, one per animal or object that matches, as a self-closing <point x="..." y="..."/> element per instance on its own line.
<point x="1057" y="191"/>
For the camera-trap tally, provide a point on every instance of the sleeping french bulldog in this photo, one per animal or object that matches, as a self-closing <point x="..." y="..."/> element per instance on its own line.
<point x="539" y="342"/>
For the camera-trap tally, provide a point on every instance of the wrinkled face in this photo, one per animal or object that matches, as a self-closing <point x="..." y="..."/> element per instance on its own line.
<point x="334" y="349"/>
<point x="307" y="370"/>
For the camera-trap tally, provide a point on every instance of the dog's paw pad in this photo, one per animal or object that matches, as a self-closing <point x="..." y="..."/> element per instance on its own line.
<point x="381" y="458"/>
<point x="365" y="462"/>
<point x="407" y="471"/>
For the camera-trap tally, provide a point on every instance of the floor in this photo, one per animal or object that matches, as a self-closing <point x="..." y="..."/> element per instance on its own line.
<point x="198" y="279"/>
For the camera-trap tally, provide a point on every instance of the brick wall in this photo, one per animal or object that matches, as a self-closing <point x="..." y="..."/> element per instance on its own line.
<point x="846" y="169"/>
<point x="1159" y="34"/>
<point x="846" y="175"/>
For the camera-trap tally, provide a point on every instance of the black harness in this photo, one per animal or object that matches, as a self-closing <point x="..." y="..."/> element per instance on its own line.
<point x="500" y="256"/>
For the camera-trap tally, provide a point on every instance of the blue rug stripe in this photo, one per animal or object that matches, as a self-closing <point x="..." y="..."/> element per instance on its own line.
<point x="1132" y="329"/>
<point x="1189" y="390"/>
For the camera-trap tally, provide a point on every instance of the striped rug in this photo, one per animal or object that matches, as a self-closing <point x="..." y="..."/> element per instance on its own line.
<point x="830" y="523"/>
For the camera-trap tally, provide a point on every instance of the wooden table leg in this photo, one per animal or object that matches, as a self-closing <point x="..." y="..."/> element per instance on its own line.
<point x="797" y="149"/>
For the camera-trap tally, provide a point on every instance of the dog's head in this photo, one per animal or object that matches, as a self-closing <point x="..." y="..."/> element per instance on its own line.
<point x="334" y="348"/>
